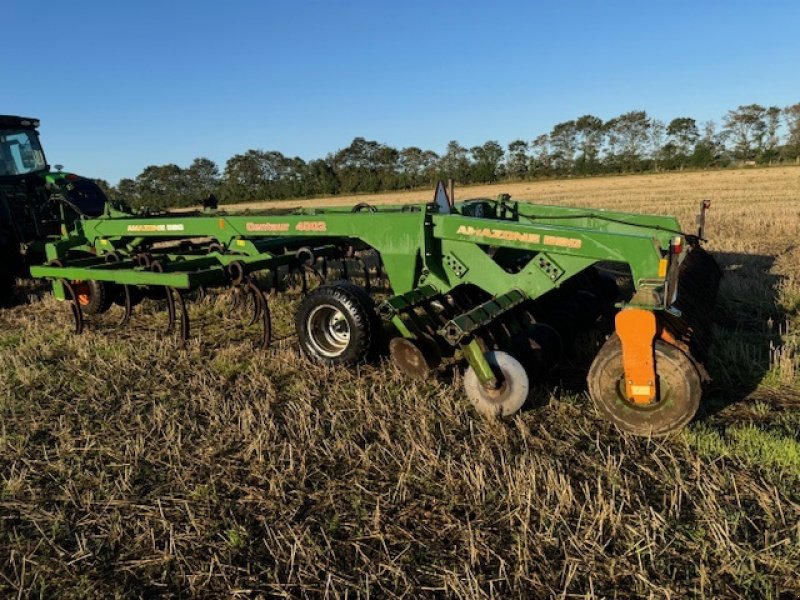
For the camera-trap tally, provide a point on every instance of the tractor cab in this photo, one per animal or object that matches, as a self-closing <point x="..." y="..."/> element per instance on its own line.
<point x="36" y="204"/>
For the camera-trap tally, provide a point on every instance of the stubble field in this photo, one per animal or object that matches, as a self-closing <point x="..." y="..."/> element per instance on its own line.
<point x="132" y="466"/>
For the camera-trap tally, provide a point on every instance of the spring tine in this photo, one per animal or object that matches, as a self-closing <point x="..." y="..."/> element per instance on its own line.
<point x="324" y="269"/>
<point x="254" y="292"/>
<point x="262" y="310"/>
<point x="184" y="313"/>
<point x="345" y="274"/>
<point x="316" y="272"/>
<point x="126" y="317"/>
<point x="266" y="332"/>
<point x="170" y="309"/>
<point x="77" y="313"/>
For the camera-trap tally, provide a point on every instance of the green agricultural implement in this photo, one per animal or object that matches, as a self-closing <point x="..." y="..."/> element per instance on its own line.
<point x="506" y="287"/>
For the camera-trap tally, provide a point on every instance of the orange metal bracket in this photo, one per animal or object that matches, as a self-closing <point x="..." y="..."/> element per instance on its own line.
<point x="637" y="329"/>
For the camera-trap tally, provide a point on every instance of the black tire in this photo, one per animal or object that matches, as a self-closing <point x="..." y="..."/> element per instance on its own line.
<point x="679" y="387"/>
<point x="9" y="262"/>
<point x="337" y="324"/>
<point x="98" y="298"/>
<point x="7" y="283"/>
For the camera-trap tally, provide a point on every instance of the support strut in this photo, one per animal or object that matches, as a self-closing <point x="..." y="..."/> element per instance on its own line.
<point x="637" y="329"/>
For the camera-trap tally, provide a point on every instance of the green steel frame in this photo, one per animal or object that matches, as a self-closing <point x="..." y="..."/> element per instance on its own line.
<point x="425" y="252"/>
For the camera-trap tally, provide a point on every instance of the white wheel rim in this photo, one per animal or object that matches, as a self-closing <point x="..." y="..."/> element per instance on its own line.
<point x="328" y="330"/>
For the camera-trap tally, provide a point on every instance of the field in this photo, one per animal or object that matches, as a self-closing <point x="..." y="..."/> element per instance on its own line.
<point x="133" y="467"/>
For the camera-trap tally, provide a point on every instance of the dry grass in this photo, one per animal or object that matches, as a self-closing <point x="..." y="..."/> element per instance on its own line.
<point x="132" y="467"/>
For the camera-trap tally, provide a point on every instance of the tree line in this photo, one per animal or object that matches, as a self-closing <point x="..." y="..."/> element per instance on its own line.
<point x="630" y="143"/>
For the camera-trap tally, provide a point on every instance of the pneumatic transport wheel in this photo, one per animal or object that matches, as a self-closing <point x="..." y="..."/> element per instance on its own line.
<point x="95" y="297"/>
<point x="337" y="324"/>
<point x="678" y="386"/>
<point x="512" y="392"/>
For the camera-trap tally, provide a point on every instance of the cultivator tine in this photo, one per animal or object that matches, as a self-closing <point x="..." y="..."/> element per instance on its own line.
<point x="170" y="310"/>
<point x="323" y="269"/>
<point x="261" y="310"/>
<point x="183" y="313"/>
<point x="249" y="287"/>
<point x="127" y="305"/>
<point x="77" y="313"/>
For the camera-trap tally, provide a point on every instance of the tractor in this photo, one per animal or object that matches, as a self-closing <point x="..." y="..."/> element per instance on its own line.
<point x="37" y="204"/>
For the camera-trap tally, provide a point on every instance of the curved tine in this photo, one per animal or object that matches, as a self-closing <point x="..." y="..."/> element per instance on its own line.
<point x="77" y="313"/>
<point x="345" y="274"/>
<point x="184" y="313"/>
<point x="266" y="320"/>
<point x="170" y="309"/>
<point x="128" y="305"/>
<point x="201" y="293"/>
<point x="236" y="295"/>
<point x="316" y="272"/>
<point x="254" y="292"/>
<point x="323" y="272"/>
<point x="280" y="283"/>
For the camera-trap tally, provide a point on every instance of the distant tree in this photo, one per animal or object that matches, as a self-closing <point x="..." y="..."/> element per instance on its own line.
<point x="162" y="186"/>
<point x="455" y="163"/>
<point x="411" y="166"/>
<point x="563" y="145"/>
<point x="488" y="159"/>
<point x="203" y="178"/>
<point x="128" y="192"/>
<point x="517" y="161"/>
<point x="792" y="116"/>
<point x="710" y="148"/>
<point x="683" y="135"/>
<point x="746" y="126"/>
<point x="770" y="153"/>
<point x="540" y="163"/>
<point x="630" y="133"/>
<point x="657" y="139"/>
<point x="321" y="179"/>
<point x="589" y="139"/>
<point x="257" y="175"/>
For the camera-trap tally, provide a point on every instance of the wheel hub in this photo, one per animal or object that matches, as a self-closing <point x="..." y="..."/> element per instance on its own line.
<point x="328" y="330"/>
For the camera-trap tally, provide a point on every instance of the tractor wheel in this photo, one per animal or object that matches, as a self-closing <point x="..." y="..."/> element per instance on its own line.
<point x="337" y="324"/>
<point x="509" y="397"/>
<point x="679" y="391"/>
<point x="7" y="283"/>
<point x="8" y="274"/>
<point x="95" y="297"/>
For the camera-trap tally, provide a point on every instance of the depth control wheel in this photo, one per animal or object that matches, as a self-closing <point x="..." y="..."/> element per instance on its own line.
<point x="509" y="396"/>
<point x="678" y="384"/>
<point x="337" y="324"/>
<point x="95" y="297"/>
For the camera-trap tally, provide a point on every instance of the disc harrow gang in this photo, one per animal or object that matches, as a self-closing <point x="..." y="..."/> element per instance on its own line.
<point x="510" y="290"/>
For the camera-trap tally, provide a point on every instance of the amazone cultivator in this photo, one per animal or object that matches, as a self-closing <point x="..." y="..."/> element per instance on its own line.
<point x="504" y="286"/>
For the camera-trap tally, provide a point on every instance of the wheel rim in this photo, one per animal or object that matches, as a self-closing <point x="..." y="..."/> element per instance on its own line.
<point x="328" y="330"/>
<point x="509" y="397"/>
<point x="679" y="391"/>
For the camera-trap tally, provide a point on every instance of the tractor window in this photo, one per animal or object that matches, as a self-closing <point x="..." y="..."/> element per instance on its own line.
<point x="20" y="152"/>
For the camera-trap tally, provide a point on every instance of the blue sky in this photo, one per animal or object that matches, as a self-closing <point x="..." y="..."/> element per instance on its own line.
<point x="121" y="85"/>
